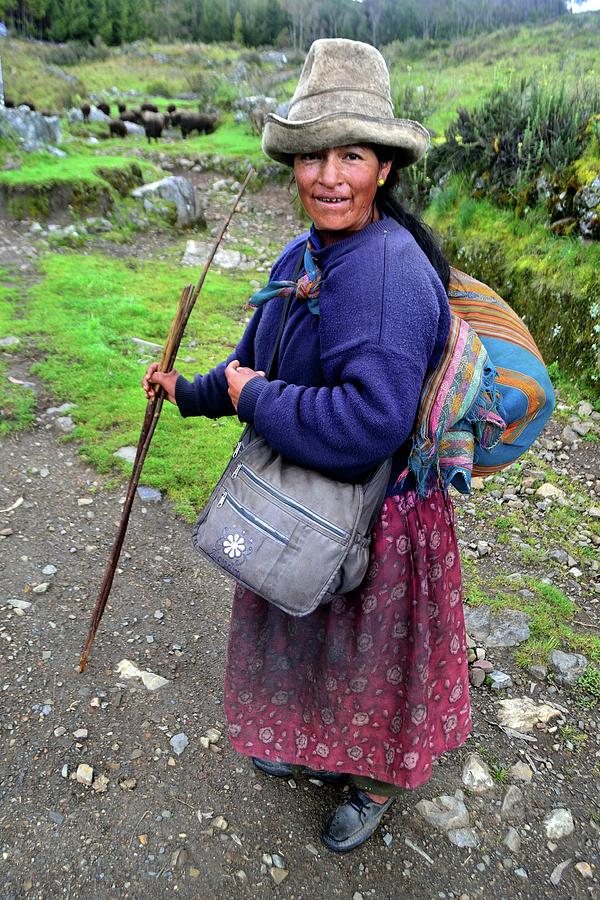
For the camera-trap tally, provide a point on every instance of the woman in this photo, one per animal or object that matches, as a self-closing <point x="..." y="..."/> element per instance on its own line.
<point x="373" y="687"/>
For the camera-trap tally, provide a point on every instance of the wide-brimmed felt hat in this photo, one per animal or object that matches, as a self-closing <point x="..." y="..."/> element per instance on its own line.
<point x="342" y="97"/>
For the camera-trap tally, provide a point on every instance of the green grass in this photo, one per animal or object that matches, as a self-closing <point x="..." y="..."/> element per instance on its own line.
<point x="457" y="74"/>
<point x="498" y="772"/>
<point x="587" y="688"/>
<point x="137" y="71"/>
<point x="538" y="274"/>
<point x="85" y="312"/>
<point x="129" y="69"/>
<point x="228" y="140"/>
<point x="231" y="141"/>
<point x="42" y="168"/>
<point x="27" y="78"/>
<point x="550" y="614"/>
<point x="17" y="404"/>
<point x="576" y="737"/>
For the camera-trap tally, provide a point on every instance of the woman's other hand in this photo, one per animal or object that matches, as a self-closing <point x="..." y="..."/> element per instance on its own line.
<point x="237" y="376"/>
<point x="154" y="377"/>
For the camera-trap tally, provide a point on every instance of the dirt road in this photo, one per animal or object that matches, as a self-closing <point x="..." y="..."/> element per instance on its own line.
<point x="200" y="822"/>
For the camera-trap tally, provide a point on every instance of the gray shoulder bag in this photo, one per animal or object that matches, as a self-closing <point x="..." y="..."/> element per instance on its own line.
<point x="290" y="534"/>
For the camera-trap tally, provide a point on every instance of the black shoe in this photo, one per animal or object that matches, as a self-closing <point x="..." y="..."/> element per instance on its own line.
<point x="335" y="778"/>
<point x="287" y="770"/>
<point x="353" y="821"/>
<point x="276" y="769"/>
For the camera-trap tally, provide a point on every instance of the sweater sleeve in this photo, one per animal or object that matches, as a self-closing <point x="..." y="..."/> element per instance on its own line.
<point x="207" y="394"/>
<point x="345" y="429"/>
<point x="376" y="345"/>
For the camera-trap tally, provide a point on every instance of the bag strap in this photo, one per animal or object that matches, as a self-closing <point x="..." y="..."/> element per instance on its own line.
<point x="284" y="313"/>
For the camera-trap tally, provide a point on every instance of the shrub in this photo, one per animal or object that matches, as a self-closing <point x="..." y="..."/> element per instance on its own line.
<point x="225" y="94"/>
<point x="412" y="48"/>
<point x="199" y="83"/>
<point x="251" y="57"/>
<point x="517" y="133"/>
<point x="73" y="53"/>
<point x="588" y="686"/>
<point x="205" y="87"/>
<point x="159" y="89"/>
<point x="414" y="101"/>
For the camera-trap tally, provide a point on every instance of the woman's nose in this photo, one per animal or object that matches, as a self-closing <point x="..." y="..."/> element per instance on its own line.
<point x="329" y="172"/>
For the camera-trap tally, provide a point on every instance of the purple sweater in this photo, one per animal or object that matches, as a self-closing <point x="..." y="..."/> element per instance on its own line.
<point x="343" y="394"/>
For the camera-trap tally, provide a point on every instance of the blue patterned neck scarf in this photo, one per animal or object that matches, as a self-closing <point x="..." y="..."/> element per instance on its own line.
<point x="306" y="288"/>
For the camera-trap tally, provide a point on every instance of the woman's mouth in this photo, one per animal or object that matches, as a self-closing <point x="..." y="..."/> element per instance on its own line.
<point x="331" y="200"/>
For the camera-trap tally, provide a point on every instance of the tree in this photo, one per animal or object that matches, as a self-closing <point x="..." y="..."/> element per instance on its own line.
<point x="238" y="28"/>
<point x="374" y="10"/>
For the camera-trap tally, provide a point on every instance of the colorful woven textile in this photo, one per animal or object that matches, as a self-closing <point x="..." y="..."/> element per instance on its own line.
<point x="527" y="396"/>
<point x="458" y="411"/>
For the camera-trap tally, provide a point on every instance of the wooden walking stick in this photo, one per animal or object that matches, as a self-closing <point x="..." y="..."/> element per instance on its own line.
<point x="153" y="408"/>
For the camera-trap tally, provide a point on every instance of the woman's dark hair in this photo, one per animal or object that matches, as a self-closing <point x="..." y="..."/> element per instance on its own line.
<point x="422" y="233"/>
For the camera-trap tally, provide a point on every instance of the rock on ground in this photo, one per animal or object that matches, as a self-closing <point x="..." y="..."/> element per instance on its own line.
<point x="521" y="771"/>
<point x="476" y="775"/>
<point x="197" y="252"/>
<point x="444" y="812"/>
<point x="126" y="453"/>
<point x="513" y="804"/>
<point x="175" y="189"/>
<point x="567" y="667"/>
<point x="134" y="128"/>
<point x="34" y="131"/>
<point x="463" y="837"/>
<point x="559" y="824"/>
<point x="506" y="628"/>
<point x="523" y="713"/>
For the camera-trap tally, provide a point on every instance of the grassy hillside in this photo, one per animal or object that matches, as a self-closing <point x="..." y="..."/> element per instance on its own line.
<point x="516" y="252"/>
<point x="450" y="74"/>
<point x="553" y="283"/>
<point x="461" y="73"/>
<point x="54" y="76"/>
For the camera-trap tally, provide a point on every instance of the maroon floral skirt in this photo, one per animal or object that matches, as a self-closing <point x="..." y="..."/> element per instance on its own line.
<point x="375" y="683"/>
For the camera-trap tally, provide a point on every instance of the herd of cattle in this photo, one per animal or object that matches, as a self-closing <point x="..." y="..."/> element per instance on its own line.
<point x="154" y="122"/>
<point x="151" y="120"/>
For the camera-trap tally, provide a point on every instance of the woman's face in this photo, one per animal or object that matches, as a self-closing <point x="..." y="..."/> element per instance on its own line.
<point x="337" y="187"/>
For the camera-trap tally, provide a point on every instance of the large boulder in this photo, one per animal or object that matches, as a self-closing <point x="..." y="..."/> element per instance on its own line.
<point x="174" y="189"/>
<point x="255" y="109"/>
<point x="587" y="207"/>
<point x="96" y="115"/>
<point x="198" y="252"/>
<point x="567" y="667"/>
<point x="134" y="128"/>
<point x="504" y="628"/>
<point x="33" y="130"/>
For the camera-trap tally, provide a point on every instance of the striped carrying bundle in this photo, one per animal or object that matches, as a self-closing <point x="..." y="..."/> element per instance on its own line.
<point x="487" y="399"/>
<point x="527" y="396"/>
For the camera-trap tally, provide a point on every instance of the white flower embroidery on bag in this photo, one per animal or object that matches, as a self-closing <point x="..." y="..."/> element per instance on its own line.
<point x="234" y="545"/>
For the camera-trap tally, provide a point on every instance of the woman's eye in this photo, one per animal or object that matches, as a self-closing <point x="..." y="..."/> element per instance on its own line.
<point x="352" y="155"/>
<point x="308" y="156"/>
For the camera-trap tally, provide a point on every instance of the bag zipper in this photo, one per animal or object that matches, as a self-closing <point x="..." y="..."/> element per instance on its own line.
<point x="287" y="501"/>
<point x="254" y="520"/>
